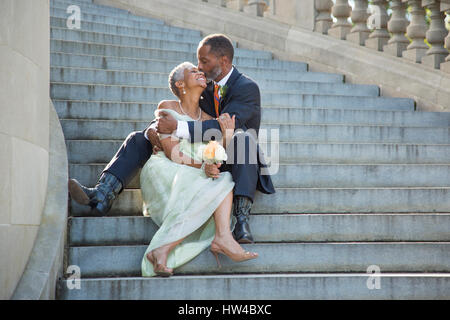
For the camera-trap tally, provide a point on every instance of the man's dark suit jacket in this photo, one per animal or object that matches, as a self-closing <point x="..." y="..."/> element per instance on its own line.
<point x="242" y="98"/>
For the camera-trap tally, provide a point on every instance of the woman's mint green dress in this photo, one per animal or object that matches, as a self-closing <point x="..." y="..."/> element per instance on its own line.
<point x="181" y="200"/>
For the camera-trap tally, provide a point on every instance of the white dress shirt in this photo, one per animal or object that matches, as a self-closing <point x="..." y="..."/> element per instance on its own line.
<point x="182" y="126"/>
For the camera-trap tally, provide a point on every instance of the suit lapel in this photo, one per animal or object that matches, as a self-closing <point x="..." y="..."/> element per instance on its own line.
<point x="231" y="80"/>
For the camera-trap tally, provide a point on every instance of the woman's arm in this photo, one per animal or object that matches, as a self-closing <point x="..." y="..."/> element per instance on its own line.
<point x="170" y="145"/>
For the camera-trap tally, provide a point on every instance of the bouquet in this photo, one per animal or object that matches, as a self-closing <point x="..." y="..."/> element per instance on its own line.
<point x="212" y="153"/>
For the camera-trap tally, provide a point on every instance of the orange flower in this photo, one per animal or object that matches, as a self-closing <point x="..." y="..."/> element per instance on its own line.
<point x="213" y="152"/>
<point x="210" y="151"/>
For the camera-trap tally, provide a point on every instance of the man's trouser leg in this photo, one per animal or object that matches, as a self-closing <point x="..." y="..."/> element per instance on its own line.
<point x="131" y="156"/>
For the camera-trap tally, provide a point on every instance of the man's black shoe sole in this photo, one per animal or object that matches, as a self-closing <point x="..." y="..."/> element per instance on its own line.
<point x="77" y="194"/>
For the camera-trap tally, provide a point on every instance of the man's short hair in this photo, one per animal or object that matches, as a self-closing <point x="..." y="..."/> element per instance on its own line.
<point x="220" y="45"/>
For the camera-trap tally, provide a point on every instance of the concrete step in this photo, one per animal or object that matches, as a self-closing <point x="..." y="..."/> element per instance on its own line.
<point x="164" y="51"/>
<point x="304" y="83"/>
<point x="57" y="24"/>
<point x="61" y="59"/>
<point x="59" y="73"/>
<point x="148" y="60"/>
<point x="341" y="102"/>
<point x="139" y="42"/>
<point x="74" y="1"/>
<point x="320" y="175"/>
<point x="316" y="200"/>
<point x="91" y="7"/>
<point x="99" y="18"/>
<point x="121" y="93"/>
<point x="94" y="9"/>
<point x="119" y="129"/>
<point x="368" y="117"/>
<point x="103" y="231"/>
<point x="108" y="261"/>
<point x="287" y="75"/>
<point x="67" y="109"/>
<point x="101" y="151"/>
<point x="310" y="286"/>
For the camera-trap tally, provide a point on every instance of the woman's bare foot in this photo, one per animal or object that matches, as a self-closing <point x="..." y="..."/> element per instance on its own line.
<point x="158" y="257"/>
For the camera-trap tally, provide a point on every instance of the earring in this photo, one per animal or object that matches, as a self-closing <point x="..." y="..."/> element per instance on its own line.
<point x="184" y="91"/>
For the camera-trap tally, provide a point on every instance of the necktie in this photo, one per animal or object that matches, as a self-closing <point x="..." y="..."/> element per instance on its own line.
<point x="216" y="99"/>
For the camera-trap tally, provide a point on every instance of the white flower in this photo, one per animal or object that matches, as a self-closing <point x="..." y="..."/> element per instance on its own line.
<point x="220" y="154"/>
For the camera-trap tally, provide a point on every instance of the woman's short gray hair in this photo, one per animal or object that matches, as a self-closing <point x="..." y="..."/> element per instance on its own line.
<point x="177" y="74"/>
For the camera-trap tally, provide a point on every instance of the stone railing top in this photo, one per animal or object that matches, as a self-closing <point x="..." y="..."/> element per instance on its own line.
<point x="46" y="260"/>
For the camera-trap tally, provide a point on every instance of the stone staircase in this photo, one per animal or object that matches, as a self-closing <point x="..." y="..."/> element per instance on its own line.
<point x="363" y="180"/>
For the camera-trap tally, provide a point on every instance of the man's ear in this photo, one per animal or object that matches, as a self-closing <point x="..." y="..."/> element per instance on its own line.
<point x="223" y="61"/>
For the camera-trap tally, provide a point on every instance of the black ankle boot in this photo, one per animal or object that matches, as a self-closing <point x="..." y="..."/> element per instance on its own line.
<point x="241" y="210"/>
<point x="101" y="197"/>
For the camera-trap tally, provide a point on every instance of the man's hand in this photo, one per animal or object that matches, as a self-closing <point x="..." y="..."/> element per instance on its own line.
<point x="227" y="126"/>
<point x="166" y="123"/>
<point x="154" y="140"/>
<point x="212" y="170"/>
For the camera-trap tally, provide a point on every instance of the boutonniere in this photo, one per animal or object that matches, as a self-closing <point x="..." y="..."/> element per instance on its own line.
<point x="223" y="91"/>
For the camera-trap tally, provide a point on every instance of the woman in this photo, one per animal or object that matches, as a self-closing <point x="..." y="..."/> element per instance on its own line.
<point x="192" y="210"/>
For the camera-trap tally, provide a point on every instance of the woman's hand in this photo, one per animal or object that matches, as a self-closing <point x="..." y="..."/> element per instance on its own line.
<point x="154" y="140"/>
<point x="227" y="125"/>
<point x="212" y="170"/>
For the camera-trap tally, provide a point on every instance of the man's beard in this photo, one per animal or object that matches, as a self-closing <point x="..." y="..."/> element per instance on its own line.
<point x="213" y="74"/>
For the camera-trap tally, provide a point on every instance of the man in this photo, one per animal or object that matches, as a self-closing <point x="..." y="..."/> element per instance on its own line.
<point x="233" y="93"/>
<point x="229" y="92"/>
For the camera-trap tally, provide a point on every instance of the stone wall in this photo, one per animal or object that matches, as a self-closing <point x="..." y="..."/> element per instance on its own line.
<point x="24" y="132"/>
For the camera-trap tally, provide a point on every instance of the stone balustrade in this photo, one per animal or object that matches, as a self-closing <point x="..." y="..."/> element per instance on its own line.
<point x="414" y="30"/>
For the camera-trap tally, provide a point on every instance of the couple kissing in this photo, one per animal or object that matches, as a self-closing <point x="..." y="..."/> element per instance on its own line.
<point x="195" y="204"/>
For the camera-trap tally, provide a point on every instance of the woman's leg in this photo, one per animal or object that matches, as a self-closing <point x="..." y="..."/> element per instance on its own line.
<point x="222" y="216"/>
<point x="224" y="238"/>
<point x="222" y="220"/>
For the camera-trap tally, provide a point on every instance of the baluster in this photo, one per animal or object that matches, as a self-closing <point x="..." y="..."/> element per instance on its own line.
<point x="323" y="18"/>
<point x="341" y="11"/>
<point x="446" y="65"/>
<point x="435" y="35"/>
<point x="359" y="33"/>
<point x="378" y="20"/>
<point x="255" y="7"/>
<point x="397" y="26"/>
<point x="416" y="31"/>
